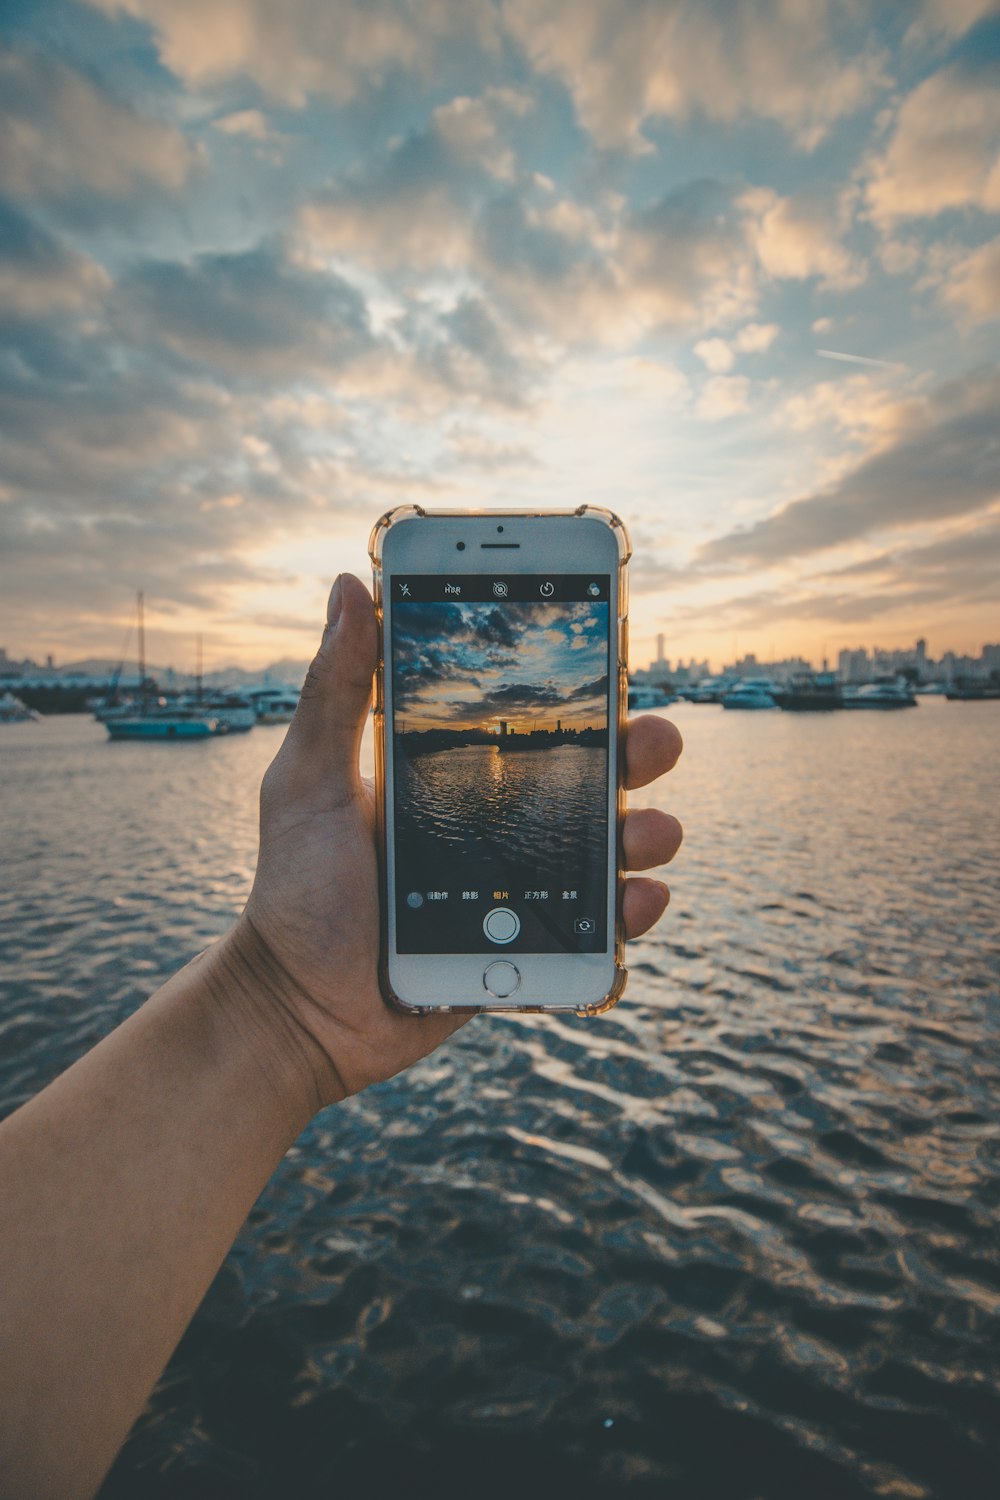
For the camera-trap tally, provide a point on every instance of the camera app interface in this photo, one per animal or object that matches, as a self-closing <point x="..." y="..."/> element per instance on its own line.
<point x="500" y="755"/>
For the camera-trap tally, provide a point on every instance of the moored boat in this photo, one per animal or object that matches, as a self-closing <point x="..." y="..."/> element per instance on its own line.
<point x="643" y="696"/>
<point x="810" y="692"/>
<point x="163" y="724"/>
<point x="752" y="692"/>
<point x="13" y="711"/>
<point x="890" y="693"/>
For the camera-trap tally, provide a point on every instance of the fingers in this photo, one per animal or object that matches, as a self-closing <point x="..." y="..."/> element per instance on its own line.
<point x="336" y="693"/>
<point x="652" y="747"/>
<point x="643" y="904"/>
<point x="651" y="838"/>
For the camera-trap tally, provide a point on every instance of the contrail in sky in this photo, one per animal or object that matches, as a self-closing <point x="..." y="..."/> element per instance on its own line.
<point x="860" y="359"/>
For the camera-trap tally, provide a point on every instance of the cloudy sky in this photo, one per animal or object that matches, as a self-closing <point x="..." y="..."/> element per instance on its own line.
<point x="534" y="666"/>
<point x="268" y="270"/>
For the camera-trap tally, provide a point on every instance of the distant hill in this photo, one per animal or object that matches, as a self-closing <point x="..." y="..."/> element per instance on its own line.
<point x="286" y="672"/>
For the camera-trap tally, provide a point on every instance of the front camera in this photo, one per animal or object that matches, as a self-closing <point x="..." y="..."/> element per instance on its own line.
<point x="460" y="546"/>
<point x="499" y="528"/>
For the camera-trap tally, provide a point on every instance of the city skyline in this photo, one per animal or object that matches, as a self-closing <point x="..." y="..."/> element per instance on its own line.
<point x="291" y="670"/>
<point x="265" y="276"/>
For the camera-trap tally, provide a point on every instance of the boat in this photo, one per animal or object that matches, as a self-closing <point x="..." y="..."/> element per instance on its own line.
<point x="887" y="693"/>
<point x="752" y="692"/>
<point x="162" y="724"/>
<point x="712" y="689"/>
<point x="644" y="696"/>
<point x="13" y="711"/>
<point x="233" y="713"/>
<point x="277" y="710"/>
<point x="273" y="705"/>
<point x="972" y="692"/>
<point x="154" y="718"/>
<point x="810" y="692"/>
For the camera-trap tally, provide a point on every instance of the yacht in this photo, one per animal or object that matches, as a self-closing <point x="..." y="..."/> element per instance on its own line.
<point x="233" y="712"/>
<point x="712" y="689"/>
<point x="162" y="723"/>
<point x="645" y="696"/>
<point x="752" y="692"/>
<point x="274" y="705"/>
<point x="13" y="711"/>
<point x="810" y="692"/>
<point x="894" y="693"/>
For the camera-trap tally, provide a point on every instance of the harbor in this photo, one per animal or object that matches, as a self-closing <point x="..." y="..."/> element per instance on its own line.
<point x="746" y="1220"/>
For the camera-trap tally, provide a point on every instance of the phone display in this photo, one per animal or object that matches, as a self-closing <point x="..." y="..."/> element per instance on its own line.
<point x="499" y="709"/>
<point x="500" y="739"/>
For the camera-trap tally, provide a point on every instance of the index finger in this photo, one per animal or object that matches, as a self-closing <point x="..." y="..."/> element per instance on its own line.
<point x="652" y="747"/>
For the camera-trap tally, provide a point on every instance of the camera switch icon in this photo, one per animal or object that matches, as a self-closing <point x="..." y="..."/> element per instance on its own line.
<point x="585" y="925"/>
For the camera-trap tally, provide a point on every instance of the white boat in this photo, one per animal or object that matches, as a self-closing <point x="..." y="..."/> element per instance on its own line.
<point x="895" y="693"/>
<point x="232" y="712"/>
<point x="648" y="697"/>
<point x="13" y="711"/>
<point x="711" y="689"/>
<point x="752" y="692"/>
<point x="277" y="711"/>
<point x="273" y="705"/>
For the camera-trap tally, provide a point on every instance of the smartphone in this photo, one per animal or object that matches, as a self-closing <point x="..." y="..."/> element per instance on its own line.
<point x="500" y="706"/>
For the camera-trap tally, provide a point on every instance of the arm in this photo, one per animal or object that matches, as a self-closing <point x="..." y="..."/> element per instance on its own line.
<point x="124" y="1182"/>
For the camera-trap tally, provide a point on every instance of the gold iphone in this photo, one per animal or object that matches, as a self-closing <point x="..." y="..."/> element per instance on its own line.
<point x="499" y="715"/>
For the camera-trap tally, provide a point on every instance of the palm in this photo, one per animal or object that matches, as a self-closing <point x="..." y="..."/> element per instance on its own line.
<point x="315" y="904"/>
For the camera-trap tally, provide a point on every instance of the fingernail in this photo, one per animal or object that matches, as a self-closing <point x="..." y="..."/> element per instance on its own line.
<point x="336" y="603"/>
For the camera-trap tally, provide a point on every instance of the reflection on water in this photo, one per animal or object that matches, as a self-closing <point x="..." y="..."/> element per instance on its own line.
<point x="738" y="1238"/>
<point x="542" y="808"/>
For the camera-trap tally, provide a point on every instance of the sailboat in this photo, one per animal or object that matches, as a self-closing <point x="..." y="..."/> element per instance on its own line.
<point x="153" y="718"/>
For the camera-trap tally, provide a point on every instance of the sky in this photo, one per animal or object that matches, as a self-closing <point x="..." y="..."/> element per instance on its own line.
<point x="531" y="666"/>
<point x="267" y="271"/>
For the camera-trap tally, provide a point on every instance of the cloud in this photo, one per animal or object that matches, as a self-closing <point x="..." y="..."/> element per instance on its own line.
<point x="246" y="122"/>
<point x="628" y="66"/>
<point x="723" y="396"/>
<point x="251" y="316"/>
<point x="684" y="260"/>
<point x="720" y="355"/>
<point x="944" y="463"/>
<point x="973" y="284"/>
<point x="799" y="237"/>
<point x="950" y="17"/>
<point x="954" y="566"/>
<point x="943" y="150"/>
<point x="65" y="140"/>
<point x="331" y="48"/>
<point x="40" y="274"/>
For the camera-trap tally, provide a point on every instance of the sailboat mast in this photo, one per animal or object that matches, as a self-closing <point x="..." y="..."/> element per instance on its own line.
<point x="142" y="640"/>
<point x="198" y="671"/>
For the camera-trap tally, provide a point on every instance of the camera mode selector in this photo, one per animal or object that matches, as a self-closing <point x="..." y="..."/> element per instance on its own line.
<point x="501" y="979"/>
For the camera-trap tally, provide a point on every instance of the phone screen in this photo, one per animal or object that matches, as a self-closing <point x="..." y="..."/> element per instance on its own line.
<point x="500" y="723"/>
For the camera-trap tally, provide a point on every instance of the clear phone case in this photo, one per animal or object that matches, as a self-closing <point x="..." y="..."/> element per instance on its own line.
<point x="376" y="543"/>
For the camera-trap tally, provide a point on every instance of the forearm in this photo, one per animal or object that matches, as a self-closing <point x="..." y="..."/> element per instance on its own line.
<point x="123" y="1185"/>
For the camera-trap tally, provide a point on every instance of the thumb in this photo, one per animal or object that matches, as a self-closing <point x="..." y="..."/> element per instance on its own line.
<point x="333" y="706"/>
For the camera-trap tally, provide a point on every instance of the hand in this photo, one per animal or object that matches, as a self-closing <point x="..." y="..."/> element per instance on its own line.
<point x="306" y="948"/>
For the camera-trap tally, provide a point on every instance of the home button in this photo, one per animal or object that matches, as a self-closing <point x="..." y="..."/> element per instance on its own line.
<point x="501" y="979"/>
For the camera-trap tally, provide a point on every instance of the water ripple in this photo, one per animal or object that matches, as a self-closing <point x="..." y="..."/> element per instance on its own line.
<point x="737" y="1238"/>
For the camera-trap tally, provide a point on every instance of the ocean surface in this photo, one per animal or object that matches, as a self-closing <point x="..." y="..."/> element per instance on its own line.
<point x="738" y="1238"/>
<point x="475" y="816"/>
